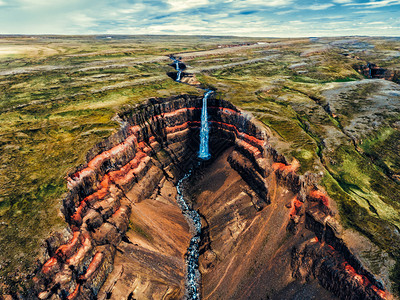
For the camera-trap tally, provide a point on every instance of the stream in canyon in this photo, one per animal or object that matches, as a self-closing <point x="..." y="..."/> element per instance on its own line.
<point x="192" y="254"/>
<point x="193" y="275"/>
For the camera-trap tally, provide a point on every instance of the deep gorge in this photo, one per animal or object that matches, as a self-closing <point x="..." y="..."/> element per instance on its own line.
<point x="266" y="229"/>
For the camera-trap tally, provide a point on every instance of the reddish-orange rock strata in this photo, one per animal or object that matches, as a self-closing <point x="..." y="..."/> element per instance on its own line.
<point x="158" y="141"/>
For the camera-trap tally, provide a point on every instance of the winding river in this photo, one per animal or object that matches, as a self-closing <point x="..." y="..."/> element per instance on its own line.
<point x="192" y="255"/>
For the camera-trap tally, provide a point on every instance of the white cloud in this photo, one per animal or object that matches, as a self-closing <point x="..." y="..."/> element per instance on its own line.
<point x="272" y="3"/>
<point x="284" y="12"/>
<point x="376" y="4"/>
<point x="323" y="18"/>
<point x="2" y="3"/>
<point x="41" y="4"/>
<point x="184" y="28"/>
<point x="366" y="12"/>
<point x="182" y="5"/>
<point x="342" y="1"/>
<point x="320" y="6"/>
<point x="262" y="3"/>
<point x="137" y="7"/>
<point x="79" y="19"/>
<point x="296" y="22"/>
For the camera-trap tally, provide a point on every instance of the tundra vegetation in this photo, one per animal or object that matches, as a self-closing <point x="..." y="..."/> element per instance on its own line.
<point x="59" y="96"/>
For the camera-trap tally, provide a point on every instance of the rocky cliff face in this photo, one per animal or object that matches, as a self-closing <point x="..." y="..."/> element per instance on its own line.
<point x="278" y="251"/>
<point x="126" y="174"/>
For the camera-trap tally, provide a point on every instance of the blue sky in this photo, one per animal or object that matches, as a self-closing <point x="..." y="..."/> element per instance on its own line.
<point x="264" y="18"/>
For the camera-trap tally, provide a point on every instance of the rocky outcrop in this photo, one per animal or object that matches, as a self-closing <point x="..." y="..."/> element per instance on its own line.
<point x="371" y="70"/>
<point x="158" y="141"/>
<point x="328" y="259"/>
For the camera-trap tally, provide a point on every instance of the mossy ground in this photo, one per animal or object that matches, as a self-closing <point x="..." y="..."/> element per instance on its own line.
<point x="51" y="117"/>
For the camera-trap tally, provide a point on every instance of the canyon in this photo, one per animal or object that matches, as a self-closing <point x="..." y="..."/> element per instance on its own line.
<point x="265" y="228"/>
<point x="296" y="197"/>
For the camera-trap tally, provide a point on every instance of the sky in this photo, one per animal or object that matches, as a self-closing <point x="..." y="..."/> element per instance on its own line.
<point x="252" y="18"/>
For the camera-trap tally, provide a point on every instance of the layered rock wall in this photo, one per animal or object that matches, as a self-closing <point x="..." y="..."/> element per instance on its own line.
<point x="160" y="140"/>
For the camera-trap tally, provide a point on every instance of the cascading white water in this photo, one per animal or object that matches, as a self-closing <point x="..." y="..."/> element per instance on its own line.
<point x="204" y="130"/>
<point x="178" y="76"/>
<point x="177" y="67"/>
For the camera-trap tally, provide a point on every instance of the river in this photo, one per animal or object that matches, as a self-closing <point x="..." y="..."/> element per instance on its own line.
<point x="193" y="276"/>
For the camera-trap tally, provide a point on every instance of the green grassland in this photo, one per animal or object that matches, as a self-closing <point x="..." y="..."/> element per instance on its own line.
<point x="58" y="96"/>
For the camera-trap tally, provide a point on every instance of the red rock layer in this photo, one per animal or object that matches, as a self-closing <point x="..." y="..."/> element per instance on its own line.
<point x="333" y="264"/>
<point x="97" y="207"/>
<point x="162" y="134"/>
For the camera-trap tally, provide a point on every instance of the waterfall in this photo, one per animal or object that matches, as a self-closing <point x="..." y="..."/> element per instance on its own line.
<point x="204" y="131"/>
<point x="177" y="67"/>
<point x="178" y="76"/>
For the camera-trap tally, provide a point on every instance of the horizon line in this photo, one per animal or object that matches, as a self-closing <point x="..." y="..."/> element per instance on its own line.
<point x="182" y="35"/>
